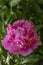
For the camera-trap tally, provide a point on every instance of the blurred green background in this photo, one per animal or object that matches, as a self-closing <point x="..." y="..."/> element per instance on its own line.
<point x="12" y="10"/>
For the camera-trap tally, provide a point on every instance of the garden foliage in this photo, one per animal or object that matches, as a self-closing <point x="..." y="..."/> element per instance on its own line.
<point x="12" y="10"/>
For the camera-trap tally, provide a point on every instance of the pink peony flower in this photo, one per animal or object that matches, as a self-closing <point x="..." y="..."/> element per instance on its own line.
<point x="21" y="38"/>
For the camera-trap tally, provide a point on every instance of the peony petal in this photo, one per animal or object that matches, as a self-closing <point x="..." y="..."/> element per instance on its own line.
<point x="34" y="46"/>
<point x="9" y="28"/>
<point x="21" y="38"/>
<point x="5" y="44"/>
<point x="27" y="52"/>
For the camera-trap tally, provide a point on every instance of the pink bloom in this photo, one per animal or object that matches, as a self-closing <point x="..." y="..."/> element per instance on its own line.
<point x="21" y="38"/>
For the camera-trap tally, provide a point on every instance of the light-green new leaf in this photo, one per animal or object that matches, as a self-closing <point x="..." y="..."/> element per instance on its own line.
<point x="14" y="2"/>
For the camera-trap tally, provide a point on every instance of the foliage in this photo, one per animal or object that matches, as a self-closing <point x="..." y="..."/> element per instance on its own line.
<point x="11" y="10"/>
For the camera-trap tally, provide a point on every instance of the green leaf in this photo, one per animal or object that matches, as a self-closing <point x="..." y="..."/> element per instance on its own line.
<point x="36" y="9"/>
<point x="40" y="1"/>
<point x="14" y="2"/>
<point x="30" y="59"/>
<point x="39" y="27"/>
<point x="3" y="2"/>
